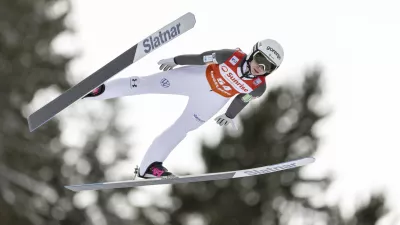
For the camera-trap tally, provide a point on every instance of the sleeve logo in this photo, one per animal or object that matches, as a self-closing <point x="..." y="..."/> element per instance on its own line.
<point x="234" y="60"/>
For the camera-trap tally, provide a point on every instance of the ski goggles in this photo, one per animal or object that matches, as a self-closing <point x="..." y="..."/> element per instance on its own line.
<point x="263" y="61"/>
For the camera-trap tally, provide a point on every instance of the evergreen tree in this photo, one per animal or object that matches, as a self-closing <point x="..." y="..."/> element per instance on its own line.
<point x="34" y="167"/>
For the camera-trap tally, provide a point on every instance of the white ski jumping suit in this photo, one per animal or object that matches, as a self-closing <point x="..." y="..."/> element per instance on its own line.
<point x="209" y="87"/>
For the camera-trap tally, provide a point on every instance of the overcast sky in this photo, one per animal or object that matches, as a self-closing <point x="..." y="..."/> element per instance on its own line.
<point x="357" y="43"/>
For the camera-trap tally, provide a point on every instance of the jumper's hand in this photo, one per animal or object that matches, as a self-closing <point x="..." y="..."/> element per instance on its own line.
<point x="167" y="64"/>
<point x="223" y="120"/>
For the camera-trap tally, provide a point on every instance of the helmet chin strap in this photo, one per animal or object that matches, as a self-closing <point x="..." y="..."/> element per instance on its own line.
<point x="246" y="73"/>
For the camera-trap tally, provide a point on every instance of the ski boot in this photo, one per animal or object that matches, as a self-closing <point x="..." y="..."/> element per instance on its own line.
<point x="155" y="170"/>
<point x="96" y="92"/>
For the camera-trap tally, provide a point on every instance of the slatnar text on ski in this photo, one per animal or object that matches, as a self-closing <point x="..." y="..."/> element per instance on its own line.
<point x="152" y="42"/>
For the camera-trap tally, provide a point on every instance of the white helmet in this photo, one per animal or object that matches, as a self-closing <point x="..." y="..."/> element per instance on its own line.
<point x="271" y="50"/>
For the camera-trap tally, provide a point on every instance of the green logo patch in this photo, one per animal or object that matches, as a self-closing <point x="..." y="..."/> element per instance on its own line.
<point x="247" y="98"/>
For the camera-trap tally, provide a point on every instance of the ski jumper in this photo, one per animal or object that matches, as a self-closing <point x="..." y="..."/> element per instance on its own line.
<point x="208" y="86"/>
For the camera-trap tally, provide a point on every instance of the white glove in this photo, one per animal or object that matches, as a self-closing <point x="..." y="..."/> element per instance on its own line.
<point x="223" y="120"/>
<point x="167" y="64"/>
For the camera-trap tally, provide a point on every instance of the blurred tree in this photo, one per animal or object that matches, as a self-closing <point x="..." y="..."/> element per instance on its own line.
<point x="34" y="167"/>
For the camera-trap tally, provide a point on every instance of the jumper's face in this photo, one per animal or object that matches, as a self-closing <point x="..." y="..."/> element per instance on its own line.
<point x="261" y="65"/>
<point x="256" y="69"/>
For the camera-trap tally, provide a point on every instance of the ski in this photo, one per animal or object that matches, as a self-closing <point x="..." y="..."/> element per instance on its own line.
<point x="194" y="178"/>
<point x="138" y="51"/>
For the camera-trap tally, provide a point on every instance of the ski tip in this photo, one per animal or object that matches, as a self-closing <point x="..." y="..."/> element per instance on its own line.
<point x="190" y="16"/>
<point x="309" y="159"/>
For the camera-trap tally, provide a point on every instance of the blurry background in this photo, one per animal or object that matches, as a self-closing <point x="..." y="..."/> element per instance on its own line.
<point x="333" y="98"/>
